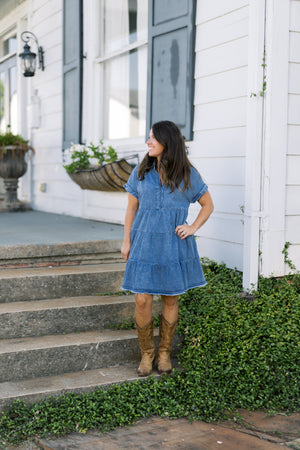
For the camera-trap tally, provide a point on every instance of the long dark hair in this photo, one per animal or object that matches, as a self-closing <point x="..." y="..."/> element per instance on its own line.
<point x="174" y="166"/>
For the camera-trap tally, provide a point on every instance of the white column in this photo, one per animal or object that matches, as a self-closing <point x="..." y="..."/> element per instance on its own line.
<point x="275" y="137"/>
<point x="254" y="144"/>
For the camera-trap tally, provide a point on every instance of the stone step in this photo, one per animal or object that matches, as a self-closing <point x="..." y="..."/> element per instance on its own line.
<point x="60" y="254"/>
<point x="36" y="389"/>
<point x="53" y="282"/>
<point x="65" y="315"/>
<point x="27" y="358"/>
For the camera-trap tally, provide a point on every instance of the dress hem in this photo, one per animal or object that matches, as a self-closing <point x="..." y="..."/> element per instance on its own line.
<point x="163" y="293"/>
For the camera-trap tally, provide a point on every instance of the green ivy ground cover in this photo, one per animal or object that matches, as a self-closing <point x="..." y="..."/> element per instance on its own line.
<point x="238" y="352"/>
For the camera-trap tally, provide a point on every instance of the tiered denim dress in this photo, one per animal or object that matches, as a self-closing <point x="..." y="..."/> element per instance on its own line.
<point x="159" y="261"/>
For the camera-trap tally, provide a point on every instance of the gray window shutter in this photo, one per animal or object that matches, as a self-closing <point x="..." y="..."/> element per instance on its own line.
<point x="72" y="71"/>
<point x="171" y="58"/>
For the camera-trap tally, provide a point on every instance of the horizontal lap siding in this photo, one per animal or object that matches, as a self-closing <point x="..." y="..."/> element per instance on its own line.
<point x="99" y="204"/>
<point x="46" y="22"/>
<point x="293" y="151"/>
<point x="218" y="149"/>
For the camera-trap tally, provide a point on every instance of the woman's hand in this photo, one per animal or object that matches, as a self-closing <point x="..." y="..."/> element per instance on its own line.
<point x="125" y="250"/>
<point x="131" y="210"/>
<point x="207" y="207"/>
<point x="183" y="231"/>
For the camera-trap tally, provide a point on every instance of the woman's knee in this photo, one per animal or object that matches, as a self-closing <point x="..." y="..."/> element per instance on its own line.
<point x="143" y="301"/>
<point x="170" y="301"/>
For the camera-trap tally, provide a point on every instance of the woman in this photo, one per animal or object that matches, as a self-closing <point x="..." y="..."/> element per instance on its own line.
<point x="159" y="245"/>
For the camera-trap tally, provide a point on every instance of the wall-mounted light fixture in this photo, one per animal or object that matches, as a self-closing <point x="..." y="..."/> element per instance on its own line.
<point x="28" y="57"/>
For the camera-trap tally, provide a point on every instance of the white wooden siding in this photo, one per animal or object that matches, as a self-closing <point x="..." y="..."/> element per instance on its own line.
<point x="293" y="139"/>
<point x="293" y="148"/>
<point x="218" y="150"/>
<point x="46" y="22"/>
<point x="222" y="86"/>
<point x="221" y="251"/>
<point x="211" y="10"/>
<point x="207" y="142"/>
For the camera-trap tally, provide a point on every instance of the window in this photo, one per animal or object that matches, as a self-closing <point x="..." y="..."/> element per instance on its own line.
<point x="8" y="85"/>
<point x="144" y="67"/>
<point x="123" y="58"/>
<point x="10" y="45"/>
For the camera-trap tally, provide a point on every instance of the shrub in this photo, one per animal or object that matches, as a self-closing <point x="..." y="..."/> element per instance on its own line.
<point x="246" y="351"/>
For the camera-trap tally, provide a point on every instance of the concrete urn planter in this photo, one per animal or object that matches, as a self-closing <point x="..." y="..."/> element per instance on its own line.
<point x="12" y="167"/>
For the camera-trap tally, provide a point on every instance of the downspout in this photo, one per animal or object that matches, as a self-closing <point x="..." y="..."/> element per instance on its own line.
<point x="254" y="144"/>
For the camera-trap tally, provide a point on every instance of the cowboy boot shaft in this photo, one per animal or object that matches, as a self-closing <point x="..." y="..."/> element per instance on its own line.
<point x="146" y="341"/>
<point x="166" y="336"/>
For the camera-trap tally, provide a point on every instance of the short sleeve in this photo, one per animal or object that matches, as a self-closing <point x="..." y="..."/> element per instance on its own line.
<point x="132" y="184"/>
<point x="198" y="187"/>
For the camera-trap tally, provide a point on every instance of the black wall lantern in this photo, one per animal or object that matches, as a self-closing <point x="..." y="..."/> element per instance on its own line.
<point x="28" y="57"/>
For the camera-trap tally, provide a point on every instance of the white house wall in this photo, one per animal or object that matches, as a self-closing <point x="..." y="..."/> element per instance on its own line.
<point x="46" y="22"/>
<point x="227" y="131"/>
<point x="218" y="149"/>
<point x="293" y="151"/>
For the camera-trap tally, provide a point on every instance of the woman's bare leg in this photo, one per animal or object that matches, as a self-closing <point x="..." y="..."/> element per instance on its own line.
<point x="143" y="309"/>
<point x="144" y="326"/>
<point x="170" y="307"/>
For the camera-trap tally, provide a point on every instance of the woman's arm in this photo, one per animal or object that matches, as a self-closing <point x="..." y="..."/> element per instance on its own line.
<point x="207" y="207"/>
<point x="132" y="208"/>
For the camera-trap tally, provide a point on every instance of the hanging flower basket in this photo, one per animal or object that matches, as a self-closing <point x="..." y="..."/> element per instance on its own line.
<point x="108" y="177"/>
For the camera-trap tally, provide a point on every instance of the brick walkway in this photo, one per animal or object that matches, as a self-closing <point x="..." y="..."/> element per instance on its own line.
<point x="259" y="432"/>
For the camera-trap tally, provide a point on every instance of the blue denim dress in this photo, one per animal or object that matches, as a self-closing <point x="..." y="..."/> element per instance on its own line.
<point x="159" y="261"/>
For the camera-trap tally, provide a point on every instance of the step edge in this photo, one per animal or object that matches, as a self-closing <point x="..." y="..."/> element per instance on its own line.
<point x="33" y="272"/>
<point x="60" y="249"/>
<point x="36" y="384"/>
<point x="63" y="303"/>
<point x="23" y="391"/>
<point x="37" y="343"/>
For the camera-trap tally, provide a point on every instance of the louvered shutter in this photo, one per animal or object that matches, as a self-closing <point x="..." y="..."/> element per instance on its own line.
<point x="72" y="71"/>
<point x="171" y="63"/>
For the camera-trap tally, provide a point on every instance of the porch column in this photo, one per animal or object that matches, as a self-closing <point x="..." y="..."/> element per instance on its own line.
<point x="254" y="144"/>
<point x="275" y="138"/>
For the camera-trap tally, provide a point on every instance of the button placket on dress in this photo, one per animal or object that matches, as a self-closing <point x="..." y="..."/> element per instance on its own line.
<point x="158" y="189"/>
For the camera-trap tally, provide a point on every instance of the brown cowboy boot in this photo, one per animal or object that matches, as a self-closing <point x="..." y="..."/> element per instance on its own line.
<point x="166" y="335"/>
<point x="146" y="342"/>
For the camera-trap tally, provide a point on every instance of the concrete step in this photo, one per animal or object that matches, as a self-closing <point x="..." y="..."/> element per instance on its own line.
<point x="26" y="358"/>
<point x="29" y="358"/>
<point x="36" y="389"/>
<point x="60" y="254"/>
<point x="65" y="315"/>
<point x="53" y="282"/>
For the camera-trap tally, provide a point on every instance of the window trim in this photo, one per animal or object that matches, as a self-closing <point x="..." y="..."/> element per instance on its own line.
<point x="8" y="56"/>
<point x="121" y="52"/>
